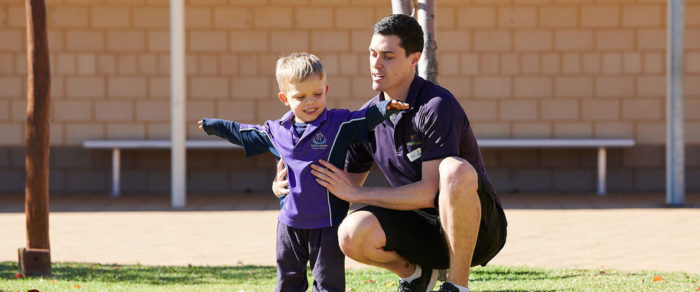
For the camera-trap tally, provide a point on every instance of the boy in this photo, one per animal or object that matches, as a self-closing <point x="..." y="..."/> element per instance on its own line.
<point x="308" y="222"/>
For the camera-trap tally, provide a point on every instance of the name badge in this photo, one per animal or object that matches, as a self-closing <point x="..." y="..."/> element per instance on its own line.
<point x="413" y="155"/>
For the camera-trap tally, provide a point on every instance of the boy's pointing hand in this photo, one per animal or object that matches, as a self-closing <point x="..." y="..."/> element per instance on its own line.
<point x="397" y="105"/>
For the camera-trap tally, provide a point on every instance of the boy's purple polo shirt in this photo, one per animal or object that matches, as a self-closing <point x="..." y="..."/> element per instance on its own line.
<point x="308" y="205"/>
<point x="434" y="127"/>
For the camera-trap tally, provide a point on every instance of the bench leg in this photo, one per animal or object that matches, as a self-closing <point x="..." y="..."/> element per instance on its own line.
<point x="116" y="168"/>
<point x="602" y="160"/>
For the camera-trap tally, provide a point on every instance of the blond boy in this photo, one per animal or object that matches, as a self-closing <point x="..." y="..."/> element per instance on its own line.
<point x="309" y="218"/>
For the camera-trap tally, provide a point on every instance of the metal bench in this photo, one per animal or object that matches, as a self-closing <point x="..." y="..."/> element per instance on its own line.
<point x="601" y="144"/>
<point x="118" y="145"/>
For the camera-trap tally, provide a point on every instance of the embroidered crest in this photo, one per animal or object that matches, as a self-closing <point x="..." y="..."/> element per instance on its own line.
<point x="319" y="142"/>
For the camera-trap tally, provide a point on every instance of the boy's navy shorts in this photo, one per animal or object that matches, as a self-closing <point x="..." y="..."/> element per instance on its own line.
<point x="418" y="236"/>
<point x="319" y="247"/>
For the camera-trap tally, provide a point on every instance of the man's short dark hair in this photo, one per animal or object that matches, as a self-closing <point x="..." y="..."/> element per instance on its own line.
<point x="406" y="28"/>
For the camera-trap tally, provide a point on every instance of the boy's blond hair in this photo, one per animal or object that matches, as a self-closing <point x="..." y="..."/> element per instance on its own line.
<point x="296" y="68"/>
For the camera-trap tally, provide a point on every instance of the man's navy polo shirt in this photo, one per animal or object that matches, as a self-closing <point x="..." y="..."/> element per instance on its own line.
<point x="308" y="205"/>
<point x="434" y="127"/>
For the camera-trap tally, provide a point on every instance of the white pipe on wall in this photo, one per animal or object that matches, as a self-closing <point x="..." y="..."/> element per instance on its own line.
<point x="177" y="103"/>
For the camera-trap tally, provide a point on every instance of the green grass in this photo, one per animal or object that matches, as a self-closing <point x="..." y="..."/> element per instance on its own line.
<point x="96" y="277"/>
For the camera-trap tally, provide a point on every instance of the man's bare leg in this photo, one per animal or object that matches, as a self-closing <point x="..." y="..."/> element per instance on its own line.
<point x="362" y="238"/>
<point x="460" y="215"/>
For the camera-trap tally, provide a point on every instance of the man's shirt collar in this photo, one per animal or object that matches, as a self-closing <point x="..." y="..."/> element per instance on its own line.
<point x="413" y="91"/>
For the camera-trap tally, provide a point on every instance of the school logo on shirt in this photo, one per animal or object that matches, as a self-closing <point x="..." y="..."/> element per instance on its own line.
<point x="319" y="142"/>
<point x="412" y="141"/>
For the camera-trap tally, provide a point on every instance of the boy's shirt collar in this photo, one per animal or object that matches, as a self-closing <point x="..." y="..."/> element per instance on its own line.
<point x="287" y="121"/>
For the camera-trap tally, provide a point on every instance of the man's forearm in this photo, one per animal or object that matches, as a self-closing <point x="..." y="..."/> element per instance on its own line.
<point x="358" y="179"/>
<point x="408" y="197"/>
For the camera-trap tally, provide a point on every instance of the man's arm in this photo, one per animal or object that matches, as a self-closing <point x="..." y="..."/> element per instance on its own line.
<point x="417" y="195"/>
<point x="280" y="185"/>
<point x="358" y="179"/>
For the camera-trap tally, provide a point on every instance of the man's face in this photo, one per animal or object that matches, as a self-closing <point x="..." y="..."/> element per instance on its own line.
<point x="306" y="99"/>
<point x="389" y="65"/>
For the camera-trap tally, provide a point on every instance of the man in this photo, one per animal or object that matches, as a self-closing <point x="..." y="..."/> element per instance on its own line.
<point x="441" y="210"/>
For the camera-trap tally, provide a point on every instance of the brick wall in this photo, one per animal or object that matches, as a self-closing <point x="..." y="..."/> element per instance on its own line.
<point x="520" y="68"/>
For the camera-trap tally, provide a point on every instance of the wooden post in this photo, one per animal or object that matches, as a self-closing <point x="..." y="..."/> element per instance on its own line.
<point x="35" y="259"/>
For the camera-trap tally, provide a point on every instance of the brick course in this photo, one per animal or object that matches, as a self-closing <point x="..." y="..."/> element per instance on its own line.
<point x="573" y="69"/>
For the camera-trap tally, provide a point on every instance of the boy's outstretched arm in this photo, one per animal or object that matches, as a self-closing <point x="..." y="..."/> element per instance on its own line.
<point x="228" y="130"/>
<point x="253" y="142"/>
<point x="357" y="128"/>
<point x="382" y="110"/>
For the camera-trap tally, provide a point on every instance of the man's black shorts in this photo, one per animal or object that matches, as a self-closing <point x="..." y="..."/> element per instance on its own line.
<point x="418" y="236"/>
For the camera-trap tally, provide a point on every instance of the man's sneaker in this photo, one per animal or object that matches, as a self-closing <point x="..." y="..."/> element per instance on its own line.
<point x="447" y="287"/>
<point x="424" y="283"/>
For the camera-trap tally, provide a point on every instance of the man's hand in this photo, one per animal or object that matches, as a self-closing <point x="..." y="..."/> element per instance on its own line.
<point x="397" y="105"/>
<point x="335" y="180"/>
<point x="280" y="186"/>
<point x="200" y="124"/>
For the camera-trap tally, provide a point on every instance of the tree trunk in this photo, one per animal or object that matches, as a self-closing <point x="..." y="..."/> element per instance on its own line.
<point x="428" y="65"/>
<point x="401" y="7"/>
<point x="35" y="259"/>
<point x="425" y="14"/>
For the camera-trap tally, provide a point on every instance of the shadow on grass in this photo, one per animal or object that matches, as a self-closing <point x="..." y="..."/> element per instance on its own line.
<point x="152" y="275"/>
<point x="523" y="290"/>
<point x="506" y="274"/>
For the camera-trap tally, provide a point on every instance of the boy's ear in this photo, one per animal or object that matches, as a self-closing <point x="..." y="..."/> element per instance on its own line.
<point x="283" y="98"/>
<point x="326" y="89"/>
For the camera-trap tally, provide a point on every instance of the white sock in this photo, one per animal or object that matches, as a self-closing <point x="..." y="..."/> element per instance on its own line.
<point x="461" y="288"/>
<point x="415" y="275"/>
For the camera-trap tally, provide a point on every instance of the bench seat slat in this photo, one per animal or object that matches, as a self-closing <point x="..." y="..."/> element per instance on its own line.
<point x="157" y="144"/>
<point x="117" y="145"/>
<point x="486" y="143"/>
<point x="554" y="143"/>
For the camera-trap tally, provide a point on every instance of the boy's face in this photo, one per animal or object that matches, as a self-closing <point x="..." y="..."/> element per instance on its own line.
<point x="306" y="99"/>
<point x="389" y="65"/>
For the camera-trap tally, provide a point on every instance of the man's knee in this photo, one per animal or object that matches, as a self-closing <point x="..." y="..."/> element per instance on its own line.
<point x="458" y="174"/>
<point x="358" y="230"/>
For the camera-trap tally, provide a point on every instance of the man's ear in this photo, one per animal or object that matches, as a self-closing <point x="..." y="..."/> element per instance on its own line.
<point x="283" y="98"/>
<point x="415" y="58"/>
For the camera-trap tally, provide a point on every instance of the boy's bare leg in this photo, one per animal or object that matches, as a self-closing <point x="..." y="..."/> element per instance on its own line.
<point x="362" y="239"/>
<point x="460" y="215"/>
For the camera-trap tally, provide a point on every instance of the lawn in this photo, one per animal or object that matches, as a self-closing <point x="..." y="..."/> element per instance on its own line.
<point x="98" y="277"/>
